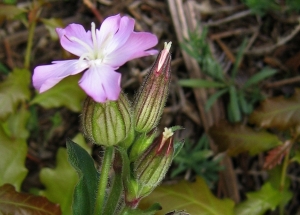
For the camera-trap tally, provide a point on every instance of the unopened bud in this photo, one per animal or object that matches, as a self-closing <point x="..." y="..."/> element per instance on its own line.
<point x="151" y="167"/>
<point x="106" y="123"/>
<point x="152" y="96"/>
<point x="142" y="142"/>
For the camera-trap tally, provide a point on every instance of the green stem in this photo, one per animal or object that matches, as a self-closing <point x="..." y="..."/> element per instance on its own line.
<point x="29" y="44"/>
<point x="282" y="179"/>
<point x="104" y="174"/>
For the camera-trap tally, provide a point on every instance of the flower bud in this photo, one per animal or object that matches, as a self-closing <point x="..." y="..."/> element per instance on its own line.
<point x="106" y="123"/>
<point x="150" y="168"/>
<point x="152" y="95"/>
<point x="142" y="142"/>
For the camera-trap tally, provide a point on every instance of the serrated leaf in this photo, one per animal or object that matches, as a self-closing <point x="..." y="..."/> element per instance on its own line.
<point x="260" y="76"/>
<point x="194" y="198"/>
<point x="239" y="138"/>
<point x="13" y="90"/>
<point x="60" y="181"/>
<point x="200" y="83"/>
<point x="86" y="188"/>
<point x="267" y="198"/>
<point x="275" y="155"/>
<point x="278" y="112"/>
<point x="15" y="125"/>
<point x="12" y="202"/>
<point x="13" y="154"/>
<point x="51" y="24"/>
<point x="66" y="93"/>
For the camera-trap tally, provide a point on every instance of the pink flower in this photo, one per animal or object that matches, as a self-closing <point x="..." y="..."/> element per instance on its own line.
<point x="100" y="52"/>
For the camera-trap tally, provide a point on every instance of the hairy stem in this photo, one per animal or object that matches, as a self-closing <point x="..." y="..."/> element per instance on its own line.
<point x="104" y="174"/>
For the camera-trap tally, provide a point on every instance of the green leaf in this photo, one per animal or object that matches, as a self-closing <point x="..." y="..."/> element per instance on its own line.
<point x="239" y="138"/>
<point x="195" y="198"/>
<point x="13" y="90"/>
<point x="86" y="189"/>
<point x="4" y="69"/>
<point x="66" y="93"/>
<point x="245" y="106"/>
<point x="60" y="181"/>
<point x="262" y="75"/>
<point x="200" y="83"/>
<point x="238" y="59"/>
<point x="213" y="98"/>
<point x="258" y="202"/>
<point x="234" y="105"/>
<point x="16" y="124"/>
<point x="296" y="157"/>
<point x="11" y="11"/>
<point x="12" y="202"/>
<point x="278" y="112"/>
<point x="13" y="154"/>
<point x="51" y="25"/>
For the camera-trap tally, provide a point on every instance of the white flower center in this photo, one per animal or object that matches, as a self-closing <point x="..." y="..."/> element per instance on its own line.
<point x="94" y="55"/>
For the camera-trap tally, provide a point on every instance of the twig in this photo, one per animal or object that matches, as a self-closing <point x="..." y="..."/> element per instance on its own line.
<point x="233" y="32"/>
<point x="281" y="41"/>
<point x="283" y="82"/>
<point x="230" y="18"/>
<point x="94" y="10"/>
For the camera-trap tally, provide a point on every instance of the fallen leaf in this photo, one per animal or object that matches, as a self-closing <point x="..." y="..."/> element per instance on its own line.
<point x="275" y="155"/>
<point x="194" y="198"/>
<point x="238" y="138"/>
<point x="12" y="202"/>
<point x="278" y="112"/>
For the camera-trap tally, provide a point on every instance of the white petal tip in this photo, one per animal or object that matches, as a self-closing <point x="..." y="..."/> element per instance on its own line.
<point x="168" y="46"/>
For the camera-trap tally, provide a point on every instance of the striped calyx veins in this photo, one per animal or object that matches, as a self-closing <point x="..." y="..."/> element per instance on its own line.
<point x="151" y="98"/>
<point x="106" y="123"/>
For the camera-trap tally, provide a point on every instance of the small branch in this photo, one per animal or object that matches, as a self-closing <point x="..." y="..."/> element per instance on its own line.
<point x="283" y="82"/>
<point x="230" y="18"/>
<point x="281" y="41"/>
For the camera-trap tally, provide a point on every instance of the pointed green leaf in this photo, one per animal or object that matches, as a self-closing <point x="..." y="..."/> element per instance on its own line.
<point x="200" y="83"/>
<point x="12" y="202"/>
<point x="239" y="138"/>
<point x="60" y="181"/>
<point x="66" y="93"/>
<point x="260" y="76"/>
<point x="194" y="198"/>
<point x="278" y="112"/>
<point x="11" y="11"/>
<point x="13" y="90"/>
<point x="234" y="105"/>
<point x="86" y="189"/>
<point x="213" y="98"/>
<point x="258" y="202"/>
<point x="238" y="59"/>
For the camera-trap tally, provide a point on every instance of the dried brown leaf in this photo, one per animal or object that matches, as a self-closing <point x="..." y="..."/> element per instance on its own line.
<point x="239" y="138"/>
<point x="278" y="112"/>
<point x="12" y="202"/>
<point x="276" y="155"/>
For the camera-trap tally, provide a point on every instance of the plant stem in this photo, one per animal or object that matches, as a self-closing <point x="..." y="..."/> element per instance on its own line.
<point x="282" y="179"/>
<point x="107" y="160"/>
<point x="29" y="44"/>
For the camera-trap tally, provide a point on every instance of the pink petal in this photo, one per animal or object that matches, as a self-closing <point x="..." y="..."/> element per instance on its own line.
<point x="77" y="31"/>
<point x="45" y="77"/>
<point x="102" y="83"/>
<point x="124" y="32"/>
<point x="135" y="47"/>
<point x="108" y="28"/>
